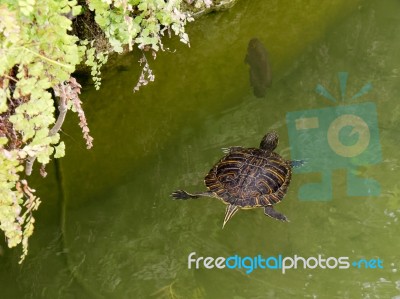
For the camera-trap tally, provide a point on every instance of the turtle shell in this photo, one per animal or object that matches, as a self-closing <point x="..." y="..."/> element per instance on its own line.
<point x="250" y="177"/>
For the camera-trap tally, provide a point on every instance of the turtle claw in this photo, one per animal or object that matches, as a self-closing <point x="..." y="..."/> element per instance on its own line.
<point x="225" y="150"/>
<point x="285" y="219"/>
<point x="298" y="163"/>
<point x="229" y="150"/>
<point x="181" y="194"/>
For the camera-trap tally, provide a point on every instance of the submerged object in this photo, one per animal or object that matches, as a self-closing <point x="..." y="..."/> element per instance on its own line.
<point x="260" y="70"/>
<point x="248" y="178"/>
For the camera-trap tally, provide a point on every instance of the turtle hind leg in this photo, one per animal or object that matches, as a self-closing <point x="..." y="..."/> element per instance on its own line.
<point x="181" y="194"/>
<point x="270" y="212"/>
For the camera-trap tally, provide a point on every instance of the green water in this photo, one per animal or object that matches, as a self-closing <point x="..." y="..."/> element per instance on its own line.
<point x="107" y="227"/>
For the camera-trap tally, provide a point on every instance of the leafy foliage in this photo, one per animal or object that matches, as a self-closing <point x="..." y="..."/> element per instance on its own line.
<point x="38" y="54"/>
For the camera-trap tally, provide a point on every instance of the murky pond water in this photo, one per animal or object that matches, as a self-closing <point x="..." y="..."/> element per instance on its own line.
<point x="107" y="226"/>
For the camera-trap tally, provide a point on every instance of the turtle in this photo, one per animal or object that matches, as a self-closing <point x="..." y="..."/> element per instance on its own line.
<point x="247" y="178"/>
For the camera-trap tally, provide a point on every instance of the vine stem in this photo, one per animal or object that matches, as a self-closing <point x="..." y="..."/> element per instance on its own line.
<point x="48" y="59"/>
<point x="62" y="108"/>
<point x="11" y="78"/>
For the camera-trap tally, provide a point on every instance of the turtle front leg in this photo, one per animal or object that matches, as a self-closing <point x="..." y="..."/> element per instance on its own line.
<point x="230" y="150"/>
<point x="181" y="194"/>
<point x="270" y="212"/>
<point x="297" y="163"/>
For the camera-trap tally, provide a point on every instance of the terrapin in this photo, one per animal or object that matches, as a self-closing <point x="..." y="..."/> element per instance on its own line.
<point x="247" y="178"/>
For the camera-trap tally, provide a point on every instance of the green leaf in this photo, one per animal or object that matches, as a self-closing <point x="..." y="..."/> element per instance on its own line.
<point x="138" y="19"/>
<point x="142" y="6"/>
<point x="60" y="150"/>
<point x="76" y="10"/>
<point x="3" y="100"/>
<point x="145" y="32"/>
<point x="3" y="140"/>
<point x="102" y="21"/>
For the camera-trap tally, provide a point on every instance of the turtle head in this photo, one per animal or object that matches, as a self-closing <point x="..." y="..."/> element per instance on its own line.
<point x="270" y="141"/>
